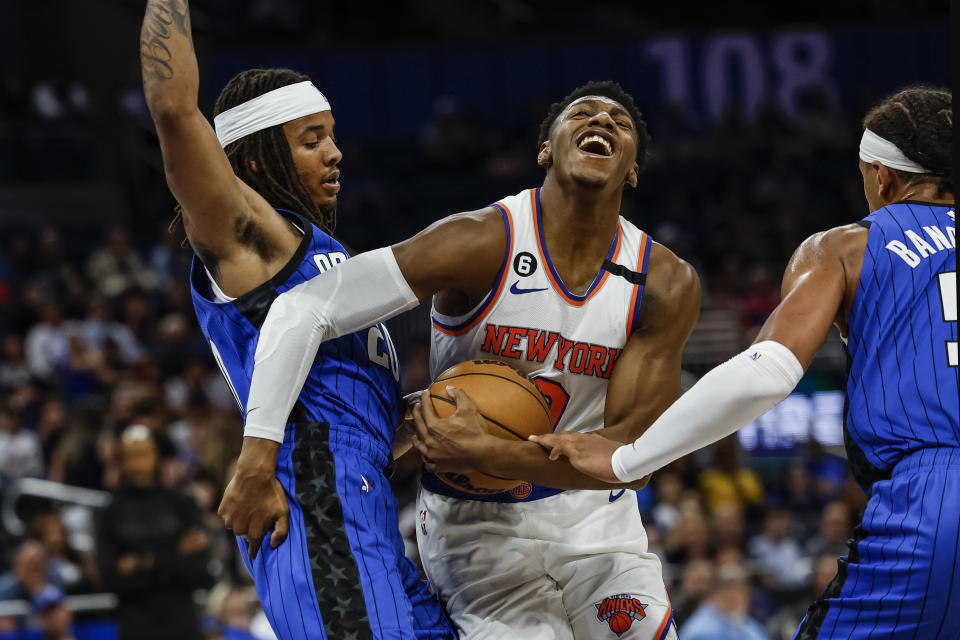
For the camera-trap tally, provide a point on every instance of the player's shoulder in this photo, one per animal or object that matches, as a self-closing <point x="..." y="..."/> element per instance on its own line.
<point x="672" y="287"/>
<point x="838" y="243"/>
<point x="669" y="271"/>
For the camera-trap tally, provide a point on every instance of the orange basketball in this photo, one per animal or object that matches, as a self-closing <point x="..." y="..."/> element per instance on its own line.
<point x="509" y="402"/>
<point x="619" y="622"/>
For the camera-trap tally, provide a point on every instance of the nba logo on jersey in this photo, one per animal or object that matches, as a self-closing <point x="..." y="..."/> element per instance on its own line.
<point x="619" y="612"/>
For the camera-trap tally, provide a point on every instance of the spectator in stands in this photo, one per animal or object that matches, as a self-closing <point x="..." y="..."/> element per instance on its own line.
<point x="777" y="554"/>
<point x="51" y="425"/>
<point x="834" y="532"/>
<point x="800" y="498"/>
<point x="690" y="538"/>
<point x="727" y="529"/>
<point x="79" y="459"/>
<point x="13" y="367"/>
<point x="784" y="622"/>
<point x="56" y="620"/>
<point x="152" y="548"/>
<point x="236" y="613"/>
<point x="98" y="327"/>
<point x="728" y="482"/>
<point x="695" y="585"/>
<point x="47" y="344"/>
<point x="669" y="487"/>
<point x="724" y="615"/>
<point x="72" y="569"/>
<point x="20" y="453"/>
<point x="115" y="267"/>
<point x="30" y="573"/>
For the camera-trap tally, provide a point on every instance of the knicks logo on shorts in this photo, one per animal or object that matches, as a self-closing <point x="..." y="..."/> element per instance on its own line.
<point x="522" y="490"/>
<point x="620" y="611"/>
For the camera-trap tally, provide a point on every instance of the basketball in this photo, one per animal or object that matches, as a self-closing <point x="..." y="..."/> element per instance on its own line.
<point x="510" y="403"/>
<point x="619" y="622"/>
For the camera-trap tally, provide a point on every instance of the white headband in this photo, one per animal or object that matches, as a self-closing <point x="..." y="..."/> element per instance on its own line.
<point x="272" y="108"/>
<point x="874" y="148"/>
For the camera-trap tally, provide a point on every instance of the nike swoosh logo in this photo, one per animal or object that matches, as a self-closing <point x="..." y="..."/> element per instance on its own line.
<point x="517" y="290"/>
<point x="614" y="498"/>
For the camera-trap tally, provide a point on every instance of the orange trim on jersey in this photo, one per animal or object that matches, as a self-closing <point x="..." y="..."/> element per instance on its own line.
<point x="661" y="631"/>
<point x="558" y="286"/>
<point x="636" y="287"/>
<point x="494" y="295"/>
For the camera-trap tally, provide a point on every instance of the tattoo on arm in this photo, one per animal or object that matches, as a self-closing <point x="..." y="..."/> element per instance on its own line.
<point x="161" y="19"/>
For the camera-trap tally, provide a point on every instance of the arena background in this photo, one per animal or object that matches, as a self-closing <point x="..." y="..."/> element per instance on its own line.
<point x="754" y="111"/>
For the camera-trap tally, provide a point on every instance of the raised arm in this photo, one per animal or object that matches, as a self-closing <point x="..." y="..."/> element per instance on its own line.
<point x="218" y="208"/>
<point x="818" y="286"/>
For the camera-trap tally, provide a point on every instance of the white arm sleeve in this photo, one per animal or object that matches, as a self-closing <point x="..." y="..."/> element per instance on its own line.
<point x="353" y="295"/>
<point x="731" y="395"/>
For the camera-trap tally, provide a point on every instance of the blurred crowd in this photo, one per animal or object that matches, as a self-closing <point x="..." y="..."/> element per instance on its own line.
<point x="107" y="384"/>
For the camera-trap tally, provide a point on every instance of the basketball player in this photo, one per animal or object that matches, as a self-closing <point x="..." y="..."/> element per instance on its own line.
<point x="553" y="281"/>
<point x="317" y="480"/>
<point x="889" y="284"/>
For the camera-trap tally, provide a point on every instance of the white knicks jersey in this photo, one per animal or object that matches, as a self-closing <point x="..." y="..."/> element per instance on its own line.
<point x="567" y="344"/>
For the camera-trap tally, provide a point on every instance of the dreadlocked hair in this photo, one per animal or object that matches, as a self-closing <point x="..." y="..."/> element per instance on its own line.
<point x="919" y="120"/>
<point x="275" y="177"/>
<point x="607" y="89"/>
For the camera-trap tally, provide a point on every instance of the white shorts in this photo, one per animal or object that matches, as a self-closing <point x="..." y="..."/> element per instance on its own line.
<point x="571" y="566"/>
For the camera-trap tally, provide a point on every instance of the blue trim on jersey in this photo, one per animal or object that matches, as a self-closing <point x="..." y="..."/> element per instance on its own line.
<point x="432" y="483"/>
<point x="494" y="290"/>
<point x="645" y="260"/>
<point x="546" y="255"/>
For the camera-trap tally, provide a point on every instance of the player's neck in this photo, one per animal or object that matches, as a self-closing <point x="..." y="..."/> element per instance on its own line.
<point x="579" y="225"/>
<point x="924" y="192"/>
<point x="577" y="220"/>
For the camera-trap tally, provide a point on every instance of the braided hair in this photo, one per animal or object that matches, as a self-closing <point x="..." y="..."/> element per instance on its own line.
<point x="606" y="89"/>
<point x="275" y="177"/>
<point x="919" y="120"/>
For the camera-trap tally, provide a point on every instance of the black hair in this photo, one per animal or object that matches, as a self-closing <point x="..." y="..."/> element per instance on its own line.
<point x="607" y="89"/>
<point x="276" y="177"/>
<point x="919" y="120"/>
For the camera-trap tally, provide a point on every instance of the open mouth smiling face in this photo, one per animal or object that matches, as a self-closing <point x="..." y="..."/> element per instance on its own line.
<point x="595" y="142"/>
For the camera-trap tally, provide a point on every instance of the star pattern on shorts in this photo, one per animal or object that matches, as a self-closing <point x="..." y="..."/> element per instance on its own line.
<point x="336" y="574"/>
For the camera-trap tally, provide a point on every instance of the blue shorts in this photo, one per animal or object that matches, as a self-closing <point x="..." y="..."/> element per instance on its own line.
<point x="341" y="573"/>
<point x="901" y="578"/>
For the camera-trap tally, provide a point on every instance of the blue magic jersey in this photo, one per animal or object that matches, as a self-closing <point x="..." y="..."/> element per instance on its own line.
<point x="902" y="386"/>
<point x="341" y="572"/>
<point x="354" y="381"/>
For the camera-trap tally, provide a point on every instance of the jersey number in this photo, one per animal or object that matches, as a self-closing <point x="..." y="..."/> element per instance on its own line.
<point x="380" y="350"/>
<point x="557" y="397"/>
<point x="948" y="297"/>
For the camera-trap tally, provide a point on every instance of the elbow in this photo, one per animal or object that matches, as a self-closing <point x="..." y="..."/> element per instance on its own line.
<point x="169" y="113"/>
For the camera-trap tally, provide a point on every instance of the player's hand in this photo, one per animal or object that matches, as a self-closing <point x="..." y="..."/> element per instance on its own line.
<point x="254" y="502"/>
<point x="454" y="443"/>
<point x="403" y="438"/>
<point x="589" y="453"/>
